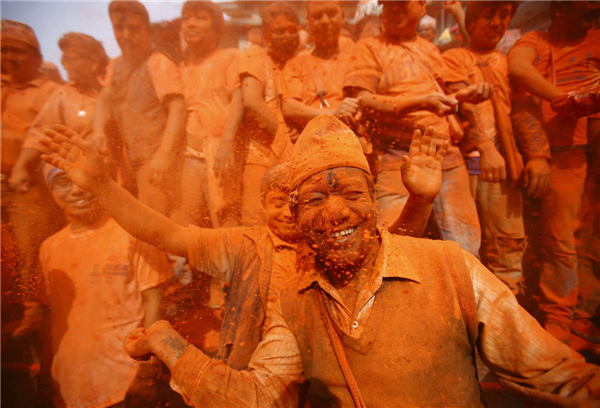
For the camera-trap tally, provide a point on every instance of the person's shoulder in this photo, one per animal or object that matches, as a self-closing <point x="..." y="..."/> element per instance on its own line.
<point x="370" y="42"/>
<point x="532" y="39"/>
<point x="55" y="241"/>
<point x="254" y="51"/>
<point x="458" y="54"/>
<point x="592" y="38"/>
<point x="227" y="54"/>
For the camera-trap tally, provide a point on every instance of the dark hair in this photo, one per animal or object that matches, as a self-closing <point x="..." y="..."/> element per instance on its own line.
<point x="216" y="14"/>
<point x="86" y="46"/>
<point x="122" y="6"/>
<point x="474" y="9"/>
<point x="276" y="176"/>
<point x="277" y="8"/>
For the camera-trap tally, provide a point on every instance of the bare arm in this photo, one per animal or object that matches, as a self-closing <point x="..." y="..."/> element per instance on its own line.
<point x="225" y="156"/>
<point x="454" y="7"/>
<point x="422" y="177"/>
<point x="522" y="71"/>
<point x="152" y="297"/>
<point x="172" y="140"/>
<point x="26" y="165"/>
<point x="102" y="115"/>
<point x="254" y="102"/>
<point x="84" y="165"/>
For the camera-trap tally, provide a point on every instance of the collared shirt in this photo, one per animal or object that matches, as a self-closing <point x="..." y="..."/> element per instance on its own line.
<point x="525" y="357"/>
<point x="282" y="268"/>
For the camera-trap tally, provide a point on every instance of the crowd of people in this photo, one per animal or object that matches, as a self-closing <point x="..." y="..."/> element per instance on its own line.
<point x="253" y="220"/>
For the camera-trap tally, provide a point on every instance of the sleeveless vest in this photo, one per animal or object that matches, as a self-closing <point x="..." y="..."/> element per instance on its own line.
<point x="246" y="301"/>
<point x="418" y="347"/>
<point x="140" y="116"/>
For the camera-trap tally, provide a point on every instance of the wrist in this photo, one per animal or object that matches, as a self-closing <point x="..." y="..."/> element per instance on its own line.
<point x="485" y="147"/>
<point x="421" y="200"/>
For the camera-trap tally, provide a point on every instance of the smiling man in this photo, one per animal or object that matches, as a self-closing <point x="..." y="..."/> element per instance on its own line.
<point x="401" y="316"/>
<point x="254" y="261"/>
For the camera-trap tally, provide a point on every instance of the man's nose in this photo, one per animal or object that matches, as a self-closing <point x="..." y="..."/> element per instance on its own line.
<point x="76" y="191"/>
<point x="336" y="211"/>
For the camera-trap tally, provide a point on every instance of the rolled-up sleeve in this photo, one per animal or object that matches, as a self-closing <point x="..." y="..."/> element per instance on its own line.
<point x="527" y="359"/>
<point x="273" y="379"/>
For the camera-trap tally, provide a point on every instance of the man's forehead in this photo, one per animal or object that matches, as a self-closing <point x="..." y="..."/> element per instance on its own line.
<point x="126" y="16"/>
<point x="336" y="176"/>
<point x="311" y="5"/>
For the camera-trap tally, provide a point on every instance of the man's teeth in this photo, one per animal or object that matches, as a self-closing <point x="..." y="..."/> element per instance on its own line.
<point x="343" y="233"/>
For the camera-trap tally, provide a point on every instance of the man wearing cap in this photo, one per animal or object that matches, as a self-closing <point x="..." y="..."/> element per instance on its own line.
<point x="255" y="262"/>
<point x="427" y="28"/>
<point x="401" y="316"/>
<point x="25" y="90"/>
<point x="145" y="99"/>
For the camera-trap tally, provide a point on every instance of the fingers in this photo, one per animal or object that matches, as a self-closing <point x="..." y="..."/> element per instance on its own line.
<point x="433" y="142"/>
<point x="63" y="130"/>
<point x="415" y="144"/>
<point x="439" y="156"/>
<point x="533" y="185"/>
<point x="405" y="163"/>
<point x="56" y="161"/>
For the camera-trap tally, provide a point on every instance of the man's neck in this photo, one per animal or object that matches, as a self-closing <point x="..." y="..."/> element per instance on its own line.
<point x="138" y="57"/>
<point x="88" y="222"/>
<point x="327" y="51"/>
<point x="91" y="85"/>
<point x="198" y="54"/>
<point x="20" y="81"/>
<point x="404" y="37"/>
<point x="480" y="49"/>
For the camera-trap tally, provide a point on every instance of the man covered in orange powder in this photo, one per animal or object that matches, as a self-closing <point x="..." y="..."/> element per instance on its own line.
<point x="213" y="98"/>
<point x="145" y="99"/>
<point x="398" y="78"/>
<point x="264" y="127"/>
<point x="372" y="319"/>
<point x="558" y="74"/>
<point x="254" y="261"/>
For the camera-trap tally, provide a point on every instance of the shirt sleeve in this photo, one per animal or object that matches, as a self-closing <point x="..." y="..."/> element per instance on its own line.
<point x="526" y="358"/>
<point x="165" y="75"/>
<point x="216" y="251"/>
<point x="291" y="87"/>
<point x="252" y="63"/>
<point x="233" y="73"/>
<point x="273" y="379"/>
<point x="529" y="40"/>
<point x="48" y="116"/>
<point x="151" y="266"/>
<point x="455" y="66"/>
<point x="363" y="71"/>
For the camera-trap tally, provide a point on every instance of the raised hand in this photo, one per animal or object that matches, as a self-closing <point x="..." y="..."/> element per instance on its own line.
<point x="79" y="159"/>
<point x="422" y="167"/>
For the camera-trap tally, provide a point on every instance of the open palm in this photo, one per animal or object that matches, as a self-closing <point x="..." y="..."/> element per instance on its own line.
<point x="79" y="159"/>
<point x="422" y="167"/>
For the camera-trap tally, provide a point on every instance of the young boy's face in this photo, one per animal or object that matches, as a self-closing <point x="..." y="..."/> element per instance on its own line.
<point x="575" y="18"/>
<point x="79" y="68"/>
<point x="76" y="203"/>
<point x="281" y="37"/>
<point x="278" y="215"/>
<point x="197" y="28"/>
<point x="131" y="32"/>
<point x="401" y="18"/>
<point x="325" y="21"/>
<point x="491" y="25"/>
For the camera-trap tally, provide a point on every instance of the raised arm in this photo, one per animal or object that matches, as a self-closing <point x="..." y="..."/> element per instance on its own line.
<point x="85" y="167"/>
<point x="422" y="177"/>
<point x="254" y="102"/>
<point x="522" y="71"/>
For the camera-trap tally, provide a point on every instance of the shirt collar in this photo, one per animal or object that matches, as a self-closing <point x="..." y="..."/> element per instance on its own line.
<point x="391" y="262"/>
<point x="279" y="243"/>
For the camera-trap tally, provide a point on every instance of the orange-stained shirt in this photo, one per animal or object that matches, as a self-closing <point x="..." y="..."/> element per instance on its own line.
<point x="20" y="106"/>
<point x="207" y="88"/>
<point x="461" y="65"/>
<point x="95" y="277"/>
<point x="66" y="106"/>
<point x="256" y="62"/>
<point x="299" y="83"/>
<point x="387" y="69"/>
<point x="575" y="68"/>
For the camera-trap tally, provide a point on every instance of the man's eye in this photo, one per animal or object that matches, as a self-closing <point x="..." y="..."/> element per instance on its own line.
<point x="352" y="195"/>
<point x="332" y="13"/>
<point x="317" y="15"/>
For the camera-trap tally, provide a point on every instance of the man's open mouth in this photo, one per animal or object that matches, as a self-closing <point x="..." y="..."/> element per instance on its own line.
<point x="343" y="233"/>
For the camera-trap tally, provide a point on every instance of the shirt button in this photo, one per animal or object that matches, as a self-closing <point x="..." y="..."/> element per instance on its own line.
<point x="355" y="324"/>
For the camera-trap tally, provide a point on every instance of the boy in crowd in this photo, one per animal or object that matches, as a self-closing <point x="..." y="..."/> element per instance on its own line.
<point x="145" y="99"/>
<point x="213" y="99"/>
<point x="554" y="70"/>
<point x="254" y="261"/>
<point x="398" y="78"/>
<point x="312" y="84"/>
<point x="264" y="128"/>
<point x="101" y="284"/>
<point x="499" y="201"/>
